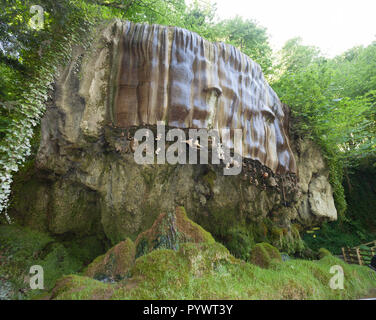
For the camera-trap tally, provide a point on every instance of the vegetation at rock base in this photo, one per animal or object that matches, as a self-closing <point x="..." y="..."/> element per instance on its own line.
<point x="21" y="248"/>
<point x="208" y="271"/>
<point x="204" y="270"/>
<point x="240" y="236"/>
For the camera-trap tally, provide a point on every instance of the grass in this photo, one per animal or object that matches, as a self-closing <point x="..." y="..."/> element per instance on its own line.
<point x="167" y="274"/>
<point x="195" y="271"/>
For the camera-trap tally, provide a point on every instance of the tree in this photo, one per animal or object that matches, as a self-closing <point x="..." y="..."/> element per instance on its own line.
<point x="333" y="102"/>
<point x="199" y="18"/>
<point x="248" y="37"/>
<point x="295" y="56"/>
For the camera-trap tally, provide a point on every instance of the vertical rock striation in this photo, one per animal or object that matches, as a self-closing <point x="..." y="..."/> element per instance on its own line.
<point x="173" y="75"/>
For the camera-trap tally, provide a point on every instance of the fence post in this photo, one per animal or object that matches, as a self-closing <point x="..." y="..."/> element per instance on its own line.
<point x="344" y="254"/>
<point x="359" y="256"/>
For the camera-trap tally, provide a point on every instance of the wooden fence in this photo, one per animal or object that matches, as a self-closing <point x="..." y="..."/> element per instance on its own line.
<point x="361" y="255"/>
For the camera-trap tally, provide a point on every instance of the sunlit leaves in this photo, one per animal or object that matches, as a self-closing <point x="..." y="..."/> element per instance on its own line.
<point x="248" y="37"/>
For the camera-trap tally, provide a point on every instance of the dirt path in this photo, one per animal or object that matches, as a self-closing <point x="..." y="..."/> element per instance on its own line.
<point x="370" y="296"/>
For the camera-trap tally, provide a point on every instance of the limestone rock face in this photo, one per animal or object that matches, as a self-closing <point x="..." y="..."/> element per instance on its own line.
<point x="316" y="201"/>
<point x="87" y="182"/>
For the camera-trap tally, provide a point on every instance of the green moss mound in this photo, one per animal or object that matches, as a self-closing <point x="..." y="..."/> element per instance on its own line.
<point x="240" y="243"/>
<point x="169" y="231"/>
<point x="208" y="271"/>
<point x="196" y="270"/>
<point x="205" y="257"/>
<point x="115" y="264"/>
<point x="161" y="268"/>
<point x="324" y="253"/>
<point x="263" y="254"/>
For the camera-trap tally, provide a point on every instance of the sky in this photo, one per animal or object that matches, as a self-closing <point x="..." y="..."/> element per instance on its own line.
<point x="332" y="25"/>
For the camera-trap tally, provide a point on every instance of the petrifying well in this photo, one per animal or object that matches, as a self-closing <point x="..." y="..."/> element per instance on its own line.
<point x="86" y="182"/>
<point x="173" y="75"/>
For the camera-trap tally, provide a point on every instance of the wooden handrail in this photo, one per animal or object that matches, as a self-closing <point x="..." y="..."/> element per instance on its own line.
<point x="358" y="255"/>
<point x="372" y="243"/>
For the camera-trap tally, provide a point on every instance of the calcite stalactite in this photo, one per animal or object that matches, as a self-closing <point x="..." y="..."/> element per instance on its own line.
<point x="173" y="75"/>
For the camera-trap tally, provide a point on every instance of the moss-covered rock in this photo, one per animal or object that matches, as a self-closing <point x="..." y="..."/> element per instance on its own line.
<point x="169" y="231"/>
<point x="115" y="264"/>
<point x="205" y="257"/>
<point x="263" y="254"/>
<point x="324" y="253"/>
<point x="161" y="266"/>
<point x="207" y="271"/>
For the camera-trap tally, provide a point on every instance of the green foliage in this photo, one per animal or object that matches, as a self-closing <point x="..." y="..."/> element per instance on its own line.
<point x="199" y="17"/>
<point x="360" y="190"/>
<point x="295" y="56"/>
<point x="356" y="71"/>
<point x="249" y="38"/>
<point x="333" y="103"/>
<point x="335" y="235"/>
<point x="359" y="225"/>
<point x="38" y="53"/>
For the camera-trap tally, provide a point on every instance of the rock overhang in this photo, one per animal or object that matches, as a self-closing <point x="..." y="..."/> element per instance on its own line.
<point x="173" y="75"/>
